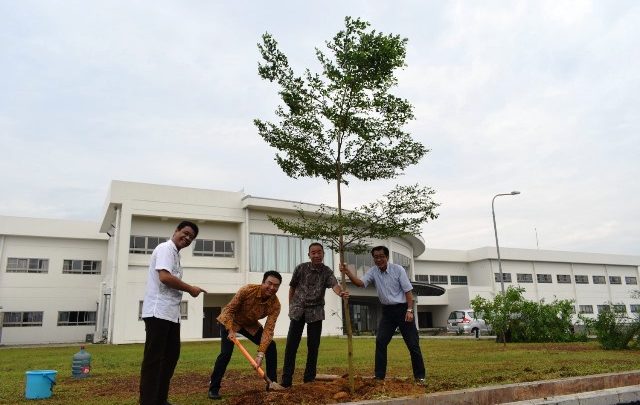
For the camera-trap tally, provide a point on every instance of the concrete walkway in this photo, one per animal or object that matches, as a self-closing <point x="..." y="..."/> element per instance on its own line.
<point x="599" y="389"/>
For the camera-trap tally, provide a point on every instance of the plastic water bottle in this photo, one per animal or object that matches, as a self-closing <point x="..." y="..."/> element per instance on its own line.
<point x="81" y="364"/>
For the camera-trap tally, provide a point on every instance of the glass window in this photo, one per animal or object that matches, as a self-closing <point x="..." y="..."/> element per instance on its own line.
<point x="620" y="309"/>
<point x="362" y="263"/>
<point x="184" y="310"/>
<point x="635" y="308"/>
<point x="255" y="252"/>
<point x="581" y="279"/>
<point x="144" y="244"/>
<point x="563" y="278"/>
<point x="281" y="252"/>
<point x="439" y="279"/>
<point x="599" y="280"/>
<point x="269" y="252"/>
<point x="525" y="278"/>
<point x="544" y="278"/>
<point x="586" y="309"/>
<point x="603" y="308"/>
<point x="22" y="319"/>
<point x="402" y="260"/>
<point x="631" y="280"/>
<point x="422" y="277"/>
<point x="506" y="277"/>
<point x="615" y="280"/>
<point x="74" y="318"/>
<point x="27" y="265"/>
<point x="81" y="267"/>
<point x="213" y="248"/>
<point x="459" y="280"/>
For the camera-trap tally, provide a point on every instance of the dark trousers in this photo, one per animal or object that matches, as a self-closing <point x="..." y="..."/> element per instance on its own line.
<point x="226" y="349"/>
<point x="392" y="318"/>
<point x="161" y="353"/>
<point x="314" y="329"/>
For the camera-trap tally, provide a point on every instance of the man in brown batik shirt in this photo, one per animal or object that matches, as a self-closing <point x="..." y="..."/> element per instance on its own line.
<point x="306" y="306"/>
<point x="251" y="303"/>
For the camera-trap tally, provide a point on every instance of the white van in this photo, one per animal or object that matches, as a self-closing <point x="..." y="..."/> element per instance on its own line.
<point x="465" y="321"/>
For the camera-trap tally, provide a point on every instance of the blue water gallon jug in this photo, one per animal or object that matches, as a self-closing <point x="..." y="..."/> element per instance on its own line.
<point x="81" y="364"/>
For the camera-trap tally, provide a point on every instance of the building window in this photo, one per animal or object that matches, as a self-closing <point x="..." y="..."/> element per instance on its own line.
<point x="586" y="309"/>
<point x="402" y="260"/>
<point x="525" y="278"/>
<point x="563" y="278"/>
<point x="435" y="279"/>
<point x="544" y="278"/>
<point x="582" y="279"/>
<point x="364" y="261"/>
<point x="603" y="308"/>
<point x="620" y="309"/>
<point x="22" y="319"/>
<point x="81" y="267"/>
<point x="631" y="280"/>
<point x="27" y="265"/>
<point x="615" y="280"/>
<point x="635" y="308"/>
<point x="422" y="277"/>
<point x="459" y="280"/>
<point x="282" y="253"/>
<point x="214" y="248"/>
<point x="144" y="244"/>
<point x="184" y="310"/>
<point x="599" y="280"/>
<point x="506" y="277"/>
<point x="73" y="318"/>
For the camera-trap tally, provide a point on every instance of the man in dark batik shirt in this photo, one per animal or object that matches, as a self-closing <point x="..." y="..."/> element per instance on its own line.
<point x="306" y="305"/>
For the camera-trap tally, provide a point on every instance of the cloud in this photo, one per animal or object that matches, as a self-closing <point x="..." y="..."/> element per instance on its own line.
<point x="536" y="96"/>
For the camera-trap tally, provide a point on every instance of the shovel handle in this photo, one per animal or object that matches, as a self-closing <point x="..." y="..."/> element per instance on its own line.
<point x="246" y="354"/>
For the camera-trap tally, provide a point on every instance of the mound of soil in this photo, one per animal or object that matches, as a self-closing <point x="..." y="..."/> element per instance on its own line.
<point x="321" y="392"/>
<point x="243" y="389"/>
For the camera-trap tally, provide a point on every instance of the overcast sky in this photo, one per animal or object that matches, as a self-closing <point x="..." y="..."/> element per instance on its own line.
<point x="536" y="96"/>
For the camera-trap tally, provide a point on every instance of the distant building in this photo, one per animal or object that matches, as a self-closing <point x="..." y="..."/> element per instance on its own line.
<point x="70" y="281"/>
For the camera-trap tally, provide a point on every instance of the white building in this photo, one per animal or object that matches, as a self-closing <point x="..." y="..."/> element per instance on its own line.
<point x="65" y="280"/>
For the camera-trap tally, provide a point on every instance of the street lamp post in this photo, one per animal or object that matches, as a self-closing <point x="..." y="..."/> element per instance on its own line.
<point x="495" y="230"/>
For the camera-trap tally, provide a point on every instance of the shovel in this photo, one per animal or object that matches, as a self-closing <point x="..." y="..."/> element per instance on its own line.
<point x="270" y="384"/>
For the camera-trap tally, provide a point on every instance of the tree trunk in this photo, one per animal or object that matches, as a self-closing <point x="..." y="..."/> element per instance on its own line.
<point x="345" y="303"/>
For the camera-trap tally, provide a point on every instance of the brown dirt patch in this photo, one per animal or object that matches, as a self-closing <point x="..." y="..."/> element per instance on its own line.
<point x="323" y="392"/>
<point x="245" y="389"/>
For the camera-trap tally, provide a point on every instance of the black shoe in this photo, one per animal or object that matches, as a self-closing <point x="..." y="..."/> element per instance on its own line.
<point x="214" y="395"/>
<point x="421" y="381"/>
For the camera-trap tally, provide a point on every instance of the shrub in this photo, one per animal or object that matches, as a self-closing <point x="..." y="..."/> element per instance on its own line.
<point x="614" y="330"/>
<point x="516" y="319"/>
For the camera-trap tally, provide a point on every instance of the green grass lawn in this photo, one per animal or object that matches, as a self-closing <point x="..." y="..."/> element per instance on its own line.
<point x="451" y="364"/>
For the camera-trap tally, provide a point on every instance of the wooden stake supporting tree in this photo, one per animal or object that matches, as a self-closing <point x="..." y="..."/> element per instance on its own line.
<point x="343" y="123"/>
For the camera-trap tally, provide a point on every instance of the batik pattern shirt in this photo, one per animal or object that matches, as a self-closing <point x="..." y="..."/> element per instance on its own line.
<point x="310" y="283"/>
<point x="246" y="308"/>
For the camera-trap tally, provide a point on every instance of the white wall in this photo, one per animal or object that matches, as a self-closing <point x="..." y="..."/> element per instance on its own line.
<point x="49" y="292"/>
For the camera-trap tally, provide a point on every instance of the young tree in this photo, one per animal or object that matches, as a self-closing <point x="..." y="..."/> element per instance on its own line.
<point x="344" y="123"/>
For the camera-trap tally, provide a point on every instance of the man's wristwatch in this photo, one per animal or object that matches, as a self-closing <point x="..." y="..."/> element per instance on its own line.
<point x="410" y="310"/>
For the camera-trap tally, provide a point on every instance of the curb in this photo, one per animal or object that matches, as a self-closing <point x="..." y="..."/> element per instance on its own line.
<point x="592" y="389"/>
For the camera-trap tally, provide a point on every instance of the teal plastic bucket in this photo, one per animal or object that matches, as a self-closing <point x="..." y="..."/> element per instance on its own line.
<point x="39" y="383"/>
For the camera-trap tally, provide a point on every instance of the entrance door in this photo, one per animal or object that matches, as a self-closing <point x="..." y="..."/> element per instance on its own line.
<point x="210" y="327"/>
<point x="425" y="320"/>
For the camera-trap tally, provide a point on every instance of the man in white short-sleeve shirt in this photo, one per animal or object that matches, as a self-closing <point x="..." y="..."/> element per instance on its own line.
<point x="161" y="315"/>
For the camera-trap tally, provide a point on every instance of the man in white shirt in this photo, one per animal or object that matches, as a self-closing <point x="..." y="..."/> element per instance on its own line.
<point x="395" y="294"/>
<point x="161" y="315"/>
